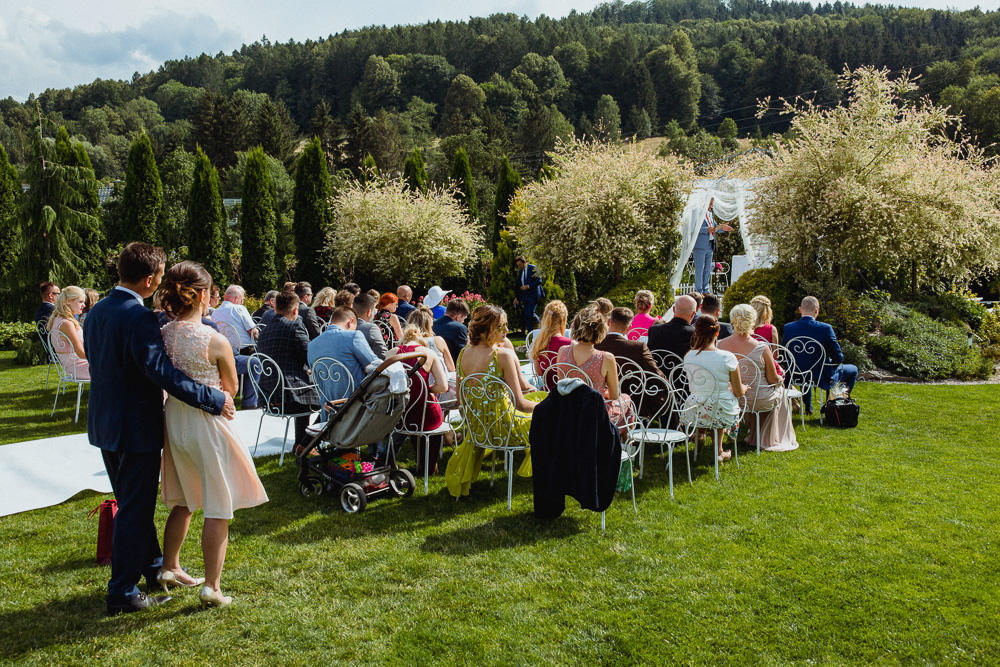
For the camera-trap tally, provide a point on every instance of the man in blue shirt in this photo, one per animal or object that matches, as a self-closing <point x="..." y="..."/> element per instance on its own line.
<point x="451" y="326"/>
<point x="830" y="368"/>
<point x="341" y="341"/>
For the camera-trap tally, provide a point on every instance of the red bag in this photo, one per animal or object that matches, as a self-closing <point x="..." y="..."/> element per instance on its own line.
<point x="105" y="529"/>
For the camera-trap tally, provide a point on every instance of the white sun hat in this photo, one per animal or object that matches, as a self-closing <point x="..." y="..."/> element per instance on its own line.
<point x="434" y="296"/>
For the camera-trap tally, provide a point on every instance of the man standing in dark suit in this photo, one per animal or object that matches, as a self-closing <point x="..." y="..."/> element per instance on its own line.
<point x="528" y="292"/>
<point x="129" y="370"/>
<point x="833" y="369"/>
<point x="675" y="336"/>
<point x="285" y="340"/>
<point x="617" y="343"/>
<point x="451" y="326"/>
<point x="49" y="292"/>
<point x="712" y="305"/>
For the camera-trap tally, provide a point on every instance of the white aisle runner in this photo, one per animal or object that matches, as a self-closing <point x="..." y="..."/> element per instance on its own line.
<point x="42" y="473"/>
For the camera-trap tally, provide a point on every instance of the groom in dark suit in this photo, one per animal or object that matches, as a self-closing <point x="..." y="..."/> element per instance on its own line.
<point x="528" y="292"/>
<point x="129" y="370"/>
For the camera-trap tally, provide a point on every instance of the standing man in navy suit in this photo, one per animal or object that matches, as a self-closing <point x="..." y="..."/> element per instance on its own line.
<point x="529" y="292"/>
<point x="129" y="370"/>
<point x="833" y="369"/>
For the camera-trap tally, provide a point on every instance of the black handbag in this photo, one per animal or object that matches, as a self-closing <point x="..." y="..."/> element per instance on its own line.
<point x="842" y="412"/>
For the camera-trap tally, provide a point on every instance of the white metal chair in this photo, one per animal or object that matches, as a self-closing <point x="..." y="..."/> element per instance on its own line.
<point x="41" y="327"/>
<point x="702" y="392"/>
<point x="412" y="422"/>
<point x="666" y="361"/>
<point x="639" y="333"/>
<point x="806" y="358"/>
<point x="272" y="395"/>
<point x="332" y="379"/>
<point x="755" y="377"/>
<point x="387" y="333"/>
<point x="529" y="339"/>
<point x="229" y="331"/>
<point x="720" y="278"/>
<point x="67" y="374"/>
<point x="488" y="429"/>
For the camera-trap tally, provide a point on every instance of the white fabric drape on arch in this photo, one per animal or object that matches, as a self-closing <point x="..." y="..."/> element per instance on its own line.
<point x="733" y="199"/>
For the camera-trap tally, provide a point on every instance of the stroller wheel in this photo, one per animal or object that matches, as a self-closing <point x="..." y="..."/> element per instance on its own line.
<point x="313" y="486"/>
<point x="353" y="498"/>
<point x="402" y="482"/>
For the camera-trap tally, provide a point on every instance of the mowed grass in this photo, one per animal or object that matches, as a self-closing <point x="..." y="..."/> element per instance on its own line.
<point x="875" y="545"/>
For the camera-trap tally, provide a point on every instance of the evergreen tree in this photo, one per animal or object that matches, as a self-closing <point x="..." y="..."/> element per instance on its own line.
<point x="257" y="222"/>
<point x="10" y="197"/>
<point x="414" y="173"/>
<point x="607" y="119"/>
<point x="369" y="170"/>
<point x="207" y="224"/>
<point x="501" y="289"/>
<point x="331" y="135"/>
<point x="727" y="132"/>
<point x="142" y="201"/>
<point x="508" y="183"/>
<point x="274" y="130"/>
<point x="93" y="237"/>
<point x="311" y="204"/>
<point x="461" y="176"/>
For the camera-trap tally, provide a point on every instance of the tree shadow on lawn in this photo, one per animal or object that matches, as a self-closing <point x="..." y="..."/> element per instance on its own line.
<point x="506" y="532"/>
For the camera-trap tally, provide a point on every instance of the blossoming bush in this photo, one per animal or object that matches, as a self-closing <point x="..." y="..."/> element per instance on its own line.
<point x="395" y="235"/>
<point x="471" y="298"/>
<point x="607" y="203"/>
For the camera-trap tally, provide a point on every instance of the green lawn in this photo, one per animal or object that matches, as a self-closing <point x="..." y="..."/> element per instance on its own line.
<point x="876" y="545"/>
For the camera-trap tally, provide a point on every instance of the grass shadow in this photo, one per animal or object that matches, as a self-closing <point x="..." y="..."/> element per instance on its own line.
<point x="504" y="532"/>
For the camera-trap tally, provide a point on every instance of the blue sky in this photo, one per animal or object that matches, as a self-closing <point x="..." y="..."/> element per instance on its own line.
<point x="62" y="43"/>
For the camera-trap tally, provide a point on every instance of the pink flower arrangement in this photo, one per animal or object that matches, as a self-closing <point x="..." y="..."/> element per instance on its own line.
<point x="474" y="300"/>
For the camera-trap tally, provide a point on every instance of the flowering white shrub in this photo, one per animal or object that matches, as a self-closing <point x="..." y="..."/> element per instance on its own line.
<point x="399" y="235"/>
<point x="882" y="183"/>
<point x="608" y="202"/>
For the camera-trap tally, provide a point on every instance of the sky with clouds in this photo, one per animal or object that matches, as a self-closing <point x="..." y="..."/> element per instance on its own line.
<point x="62" y="43"/>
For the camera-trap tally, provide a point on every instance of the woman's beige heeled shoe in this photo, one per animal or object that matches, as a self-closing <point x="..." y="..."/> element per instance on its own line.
<point x="167" y="580"/>
<point x="210" y="598"/>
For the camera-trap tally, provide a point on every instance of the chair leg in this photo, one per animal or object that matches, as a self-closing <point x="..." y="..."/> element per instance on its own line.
<point x="736" y="448"/>
<point x="510" y="476"/>
<point x="757" y="421"/>
<point x="79" y="392"/>
<point x="427" y="462"/>
<point x="715" y="451"/>
<point x="48" y="369"/>
<point x="257" y="441"/>
<point x="631" y="470"/>
<point x="670" y="468"/>
<point x="687" y="458"/>
<point x="57" y="398"/>
<point x="602" y="521"/>
<point x="284" y="443"/>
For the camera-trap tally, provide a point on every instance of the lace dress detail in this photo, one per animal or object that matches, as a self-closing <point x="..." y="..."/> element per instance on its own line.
<point x="187" y="346"/>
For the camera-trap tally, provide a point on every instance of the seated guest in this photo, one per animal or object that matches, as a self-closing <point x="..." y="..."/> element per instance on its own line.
<point x="286" y="341"/>
<point x="434" y="298"/>
<point x="269" y="315"/>
<point x="323" y="303"/>
<point x="343" y="299"/>
<point x="718" y="407"/>
<point x="50" y="292"/>
<point x="364" y="310"/>
<point x="375" y="295"/>
<point x="213" y="301"/>
<point x="548" y="341"/>
<point x="644" y="301"/>
<point x="698" y="297"/>
<point x="590" y="327"/>
<point x="304" y="291"/>
<point x="353" y="288"/>
<point x="422" y="319"/>
<point x="403" y="296"/>
<point x="711" y="304"/>
<point x="70" y="350"/>
<point x="265" y="307"/>
<point x="451" y="326"/>
<point x="617" y="344"/>
<point x="765" y="391"/>
<point x="342" y="341"/>
<point x="232" y="312"/>
<point x="91" y="297"/>
<point x="833" y="369"/>
<point x="423" y="410"/>
<point x="386" y="312"/>
<point x="508" y="420"/>
<point x="675" y="336"/>
<point x="765" y="330"/>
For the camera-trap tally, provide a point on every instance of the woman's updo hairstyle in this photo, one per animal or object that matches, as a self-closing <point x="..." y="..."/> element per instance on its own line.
<point x="706" y="328"/>
<point x="743" y="318"/>
<point x="423" y="319"/>
<point x="762" y="305"/>
<point x="413" y="334"/>
<point x="590" y="325"/>
<point x="181" y="287"/>
<point x="644" y="301"/>
<point x="604" y="306"/>
<point x="485" y="323"/>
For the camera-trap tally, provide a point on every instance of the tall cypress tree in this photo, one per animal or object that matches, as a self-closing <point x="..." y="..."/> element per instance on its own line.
<point x="461" y="175"/>
<point x="10" y="197"/>
<point x="257" y="225"/>
<point x="206" y="220"/>
<point x="93" y="237"/>
<point x="508" y="183"/>
<point x="311" y="205"/>
<point x="414" y="173"/>
<point x="142" y="201"/>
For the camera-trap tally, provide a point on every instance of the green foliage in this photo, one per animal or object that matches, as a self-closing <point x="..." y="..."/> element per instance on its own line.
<point x="857" y="355"/>
<point x="989" y="332"/>
<point x="177" y="176"/>
<point x="207" y="225"/>
<point x="257" y="222"/>
<point x="12" y="333"/>
<point x="607" y="119"/>
<point x="414" y="173"/>
<point x="952" y="306"/>
<point x="653" y="279"/>
<point x="30" y="352"/>
<point x="253" y="302"/>
<point x="913" y="344"/>
<point x="776" y="283"/>
<point x="501" y="290"/>
<point x="463" y="106"/>
<point x="461" y="176"/>
<point x="313" y="218"/>
<point x="508" y="183"/>
<point x="10" y="197"/>
<point x="142" y="200"/>
<point x="727" y="132"/>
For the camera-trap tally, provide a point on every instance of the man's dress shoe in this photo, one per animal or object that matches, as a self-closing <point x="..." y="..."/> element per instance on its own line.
<point x="138" y="603"/>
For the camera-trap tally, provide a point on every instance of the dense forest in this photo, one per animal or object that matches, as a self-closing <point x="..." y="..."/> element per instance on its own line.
<point x="502" y="88"/>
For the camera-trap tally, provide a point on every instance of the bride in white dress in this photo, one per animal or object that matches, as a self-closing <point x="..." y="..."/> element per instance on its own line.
<point x="205" y="465"/>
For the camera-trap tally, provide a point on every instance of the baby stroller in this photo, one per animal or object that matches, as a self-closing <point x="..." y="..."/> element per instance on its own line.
<point x="364" y="418"/>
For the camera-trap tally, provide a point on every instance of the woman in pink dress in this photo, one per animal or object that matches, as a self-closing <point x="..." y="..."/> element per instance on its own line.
<point x="549" y="341"/>
<point x="205" y="465"/>
<point x="69" y="346"/>
<point x="590" y="326"/>
<point x="644" y="301"/>
<point x="766" y="331"/>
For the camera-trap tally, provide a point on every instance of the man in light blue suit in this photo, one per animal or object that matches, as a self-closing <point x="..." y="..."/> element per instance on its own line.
<point x="704" y="250"/>
<point x="341" y="341"/>
<point x="833" y="369"/>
